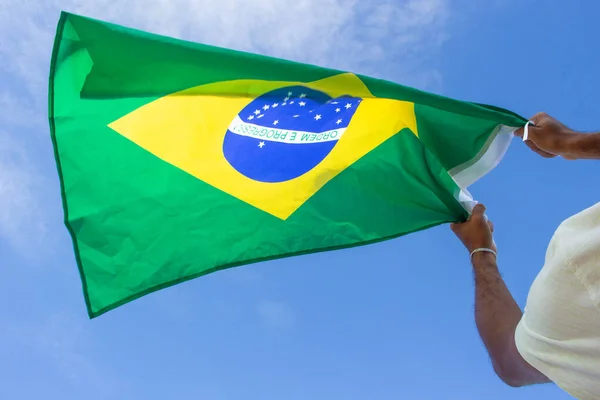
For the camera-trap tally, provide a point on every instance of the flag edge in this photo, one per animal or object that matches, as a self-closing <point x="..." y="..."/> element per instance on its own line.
<point x="52" y="127"/>
<point x="486" y="160"/>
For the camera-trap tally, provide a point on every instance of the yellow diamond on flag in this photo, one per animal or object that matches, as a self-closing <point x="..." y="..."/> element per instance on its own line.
<point x="271" y="144"/>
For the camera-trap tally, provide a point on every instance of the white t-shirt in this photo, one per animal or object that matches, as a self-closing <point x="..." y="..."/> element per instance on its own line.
<point x="559" y="333"/>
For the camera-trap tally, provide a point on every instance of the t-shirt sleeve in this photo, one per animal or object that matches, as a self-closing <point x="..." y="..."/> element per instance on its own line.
<point x="559" y="333"/>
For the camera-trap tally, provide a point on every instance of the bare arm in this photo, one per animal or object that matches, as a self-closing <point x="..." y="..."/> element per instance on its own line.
<point x="586" y="146"/>
<point x="497" y="315"/>
<point x="496" y="312"/>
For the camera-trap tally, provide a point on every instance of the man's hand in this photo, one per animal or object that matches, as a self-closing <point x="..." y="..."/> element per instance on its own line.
<point x="477" y="231"/>
<point x="550" y="138"/>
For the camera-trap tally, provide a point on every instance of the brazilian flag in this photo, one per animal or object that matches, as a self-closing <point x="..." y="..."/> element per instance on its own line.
<point x="178" y="159"/>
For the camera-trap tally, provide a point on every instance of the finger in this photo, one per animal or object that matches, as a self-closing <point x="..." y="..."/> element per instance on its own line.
<point x="532" y="131"/>
<point x="537" y="118"/>
<point x="532" y="122"/>
<point x="491" y="225"/>
<point x="478" y="210"/>
<point x="457" y="228"/>
<point x="541" y="152"/>
<point x="545" y="154"/>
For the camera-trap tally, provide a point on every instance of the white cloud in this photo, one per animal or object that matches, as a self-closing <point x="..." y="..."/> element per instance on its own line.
<point x="385" y="38"/>
<point x="276" y="314"/>
<point x="347" y="34"/>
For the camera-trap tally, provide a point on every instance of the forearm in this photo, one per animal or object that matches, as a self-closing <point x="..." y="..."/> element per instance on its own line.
<point x="496" y="312"/>
<point x="497" y="315"/>
<point x="585" y="146"/>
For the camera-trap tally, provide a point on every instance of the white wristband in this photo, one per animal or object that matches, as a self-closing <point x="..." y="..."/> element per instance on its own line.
<point x="484" y="250"/>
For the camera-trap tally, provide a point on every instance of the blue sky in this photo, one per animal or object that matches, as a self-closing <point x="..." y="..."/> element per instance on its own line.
<point x="387" y="321"/>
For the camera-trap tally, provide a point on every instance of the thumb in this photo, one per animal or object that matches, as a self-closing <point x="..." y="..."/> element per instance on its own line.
<point x="454" y="227"/>
<point x="478" y="210"/>
<point x="532" y="128"/>
<point x="520" y="132"/>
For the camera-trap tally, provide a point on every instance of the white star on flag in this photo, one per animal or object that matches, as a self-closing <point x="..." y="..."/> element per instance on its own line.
<point x="303" y="95"/>
<point x="261" y="144"/>
<point x="251" y="117"/>
<point x="337" y="110"/>
<point x="296" y="116"/>
<point x="257" y="112"/>
<point x="275" y="105"/>
<point x="289" y="94"/>
<point x="302" y="104"/>
<point x="266" y="107"/>
<point x="348" y="105"/>
<point x="261" y="115"/>
<point x="292" y="102"/>
<point x="275" y="122"/>
<point x="339" y="121"/>
<point x="318" y="117"/>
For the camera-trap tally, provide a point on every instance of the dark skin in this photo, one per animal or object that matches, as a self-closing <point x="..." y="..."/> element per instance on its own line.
<point x="496" y="312"/>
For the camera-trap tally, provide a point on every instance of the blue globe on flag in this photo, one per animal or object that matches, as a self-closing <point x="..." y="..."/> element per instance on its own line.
<point x="285" y="133"/>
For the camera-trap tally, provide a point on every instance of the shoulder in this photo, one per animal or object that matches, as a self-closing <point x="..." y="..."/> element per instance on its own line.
<point x="559" y="333"/>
